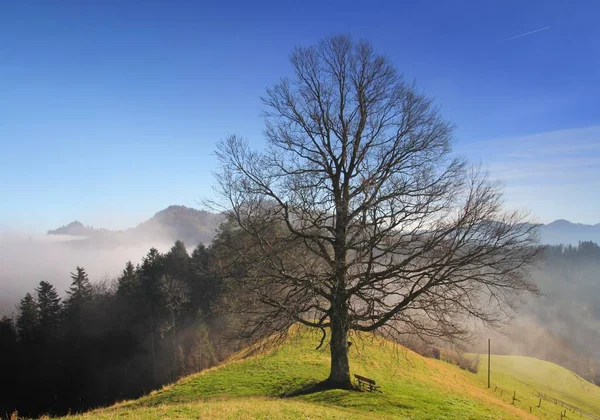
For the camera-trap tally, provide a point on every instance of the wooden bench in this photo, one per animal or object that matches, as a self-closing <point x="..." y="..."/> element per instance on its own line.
<point x="362" y="381"/>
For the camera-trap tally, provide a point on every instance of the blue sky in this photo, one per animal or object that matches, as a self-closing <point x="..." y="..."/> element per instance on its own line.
<point x="109" y="110"/>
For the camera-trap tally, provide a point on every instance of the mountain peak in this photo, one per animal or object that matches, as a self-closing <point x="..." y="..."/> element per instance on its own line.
<point x="174" y="222"/>
<point x="177" y="209"/>
<point x="562" y="231"/>
<point x="75" y="228"/>
<point x="181" y="222"/>
<point x="560" y="222"/>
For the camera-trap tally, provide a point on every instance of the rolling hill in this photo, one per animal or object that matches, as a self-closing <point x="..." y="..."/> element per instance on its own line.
<point x="253" y="384"/>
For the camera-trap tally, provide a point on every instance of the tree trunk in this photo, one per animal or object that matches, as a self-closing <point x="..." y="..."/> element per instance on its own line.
<point x="339" y="376"/>
<point x="152" y="348"/>
<point x="174" y="370"/>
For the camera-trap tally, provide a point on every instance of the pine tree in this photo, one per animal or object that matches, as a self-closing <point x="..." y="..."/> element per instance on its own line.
<point x="151" y="274"/>
<point x="10" y="358"/>
<point x="8" y="335"/>
<point x="128" y="280"/>
<point x="203" y="286"/>
<point x="27" y="320"/>
<point x="81" y="288"/>
<point x="49" y="310"/>
<point x="79" y="295"/>
<point x="130" y="304"/>
<point x="177" y="261"/>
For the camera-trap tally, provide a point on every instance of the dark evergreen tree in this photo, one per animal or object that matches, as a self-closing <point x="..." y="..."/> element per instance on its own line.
<point x="9" y="361"/>
<point x="27" y="320"/>
<point x="7" y="331"/>
<point x="49" y="310"/>
<point x="177" y="261"/>
<point x="176" y="292"/>
<point x="80" y="291"/>
<point x="79" y="295"/>
<point x="129" y="301"/>
<point x="128" y="280"/>
<point x="203" y="284"/>
<point x="151" y="276"/>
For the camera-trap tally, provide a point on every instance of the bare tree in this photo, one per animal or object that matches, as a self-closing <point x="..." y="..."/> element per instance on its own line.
<point x="176" y="295"/>
<point x="357" y="217"/>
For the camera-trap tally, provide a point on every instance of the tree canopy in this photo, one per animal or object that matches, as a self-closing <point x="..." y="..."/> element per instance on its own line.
<point x="358" y="217"/>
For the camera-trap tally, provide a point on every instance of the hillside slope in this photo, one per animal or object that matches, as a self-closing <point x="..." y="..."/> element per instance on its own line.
<point x="528" y="376"/>
<point x="251" y="386"/>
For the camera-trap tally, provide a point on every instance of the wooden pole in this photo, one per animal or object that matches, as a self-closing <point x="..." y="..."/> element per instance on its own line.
<point x="489" y="355"/>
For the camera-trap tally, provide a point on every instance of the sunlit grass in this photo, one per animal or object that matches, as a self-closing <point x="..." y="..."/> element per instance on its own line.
<point x="413" y="387"/>
<point x="527" y="376"/>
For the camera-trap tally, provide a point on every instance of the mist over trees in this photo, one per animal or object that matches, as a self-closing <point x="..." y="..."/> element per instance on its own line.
<point x="358" y="218"/>
<point x="102" y="252"/>
<point x="569" y="279"/>
<point x="107" y="341"/>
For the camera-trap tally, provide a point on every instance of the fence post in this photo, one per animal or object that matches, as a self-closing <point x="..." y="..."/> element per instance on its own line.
<point x="489" y="356"/>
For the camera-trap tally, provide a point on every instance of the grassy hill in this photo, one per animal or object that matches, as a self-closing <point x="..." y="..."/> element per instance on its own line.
<point x="528" y="375"/>
<point x="252" y="383"/>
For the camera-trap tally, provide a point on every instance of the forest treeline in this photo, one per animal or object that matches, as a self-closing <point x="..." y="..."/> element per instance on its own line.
<point x="563" y="324"/>
<point x="574" y="271"/>
<point x="569" y="309"/>
<point x="111" y="340"/>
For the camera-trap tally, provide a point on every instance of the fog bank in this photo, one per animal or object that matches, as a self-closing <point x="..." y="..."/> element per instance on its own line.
<point x="27" y="260"/>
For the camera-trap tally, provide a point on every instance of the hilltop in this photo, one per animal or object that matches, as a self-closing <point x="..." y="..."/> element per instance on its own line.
<point x="253" y="382"/>
<point x="75" y="228"/>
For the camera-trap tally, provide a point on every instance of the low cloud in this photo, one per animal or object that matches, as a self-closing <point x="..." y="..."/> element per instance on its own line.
<point x="27" y="260"/>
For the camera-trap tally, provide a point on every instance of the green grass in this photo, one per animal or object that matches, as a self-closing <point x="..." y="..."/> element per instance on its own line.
<point x="251" y="386"/>
<point x="528" y="375"/>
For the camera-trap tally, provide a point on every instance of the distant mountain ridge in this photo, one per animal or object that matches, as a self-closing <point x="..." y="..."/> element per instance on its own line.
<point x="194" y="226"/>
<point x="75" y="228"/>
<point x="564" y="232"/>
<point x="175" y="222"/>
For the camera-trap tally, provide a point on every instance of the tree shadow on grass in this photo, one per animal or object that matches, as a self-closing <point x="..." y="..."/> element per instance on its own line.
<point x="312" y="389"/>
